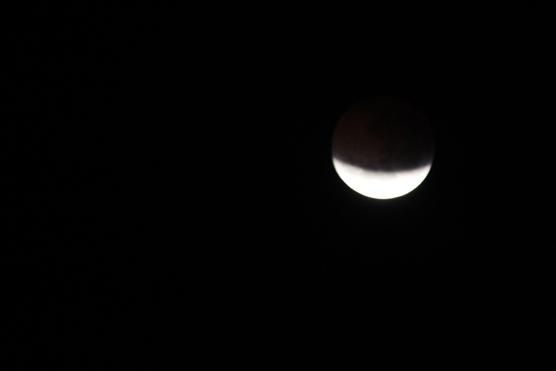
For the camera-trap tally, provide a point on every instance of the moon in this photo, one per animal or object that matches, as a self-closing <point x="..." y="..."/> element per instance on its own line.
<point x="382" y="149"/>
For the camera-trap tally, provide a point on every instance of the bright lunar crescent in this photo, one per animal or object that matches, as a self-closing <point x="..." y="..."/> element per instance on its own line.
<point x="382" y="149"/>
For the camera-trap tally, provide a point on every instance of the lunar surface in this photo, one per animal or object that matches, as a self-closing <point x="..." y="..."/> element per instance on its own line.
<point x="382" y="149"/>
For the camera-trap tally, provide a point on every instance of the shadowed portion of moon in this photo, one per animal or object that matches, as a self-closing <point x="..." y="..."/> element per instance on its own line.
<point x="383" y="148"/>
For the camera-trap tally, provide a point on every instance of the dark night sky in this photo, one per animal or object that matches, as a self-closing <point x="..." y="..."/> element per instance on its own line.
<point x="174" y="179"/>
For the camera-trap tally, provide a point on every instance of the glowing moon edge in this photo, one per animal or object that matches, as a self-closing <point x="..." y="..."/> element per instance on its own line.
<point x="380" y="185"/>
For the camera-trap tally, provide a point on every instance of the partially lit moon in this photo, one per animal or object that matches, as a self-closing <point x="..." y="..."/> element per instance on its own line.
<point x="382" y="149"/>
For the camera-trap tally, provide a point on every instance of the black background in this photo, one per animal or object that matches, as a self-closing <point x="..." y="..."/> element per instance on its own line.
<point x="170" y="172"/>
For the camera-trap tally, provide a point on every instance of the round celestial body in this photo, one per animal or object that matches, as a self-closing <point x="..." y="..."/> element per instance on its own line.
<point x="382" y="149"/>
